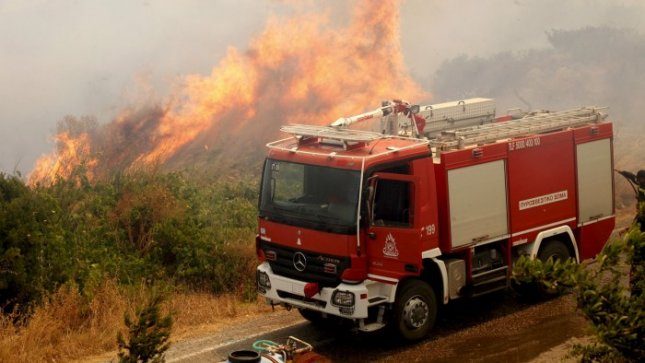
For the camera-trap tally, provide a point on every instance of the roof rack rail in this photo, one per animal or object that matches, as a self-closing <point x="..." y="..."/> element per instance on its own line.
<point x="533" y="124"/>
<point x="344" y="135"/>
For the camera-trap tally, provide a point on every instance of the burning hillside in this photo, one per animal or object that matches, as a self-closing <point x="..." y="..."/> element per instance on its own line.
<point x="299" y="69"/>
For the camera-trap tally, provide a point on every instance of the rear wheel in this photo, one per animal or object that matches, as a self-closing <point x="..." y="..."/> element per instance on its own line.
<point x="556" y="251"/>
<point x="415" y="310"/>
<point x="535" y="291"/>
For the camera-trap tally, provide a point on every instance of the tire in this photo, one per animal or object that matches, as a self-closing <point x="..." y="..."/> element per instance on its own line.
<point x="313" y="316"/>
<point x="554" y="249"/>
<point x="557" y="251"/>
<point x="415" y="310"/>
<point x="535" y="292"/>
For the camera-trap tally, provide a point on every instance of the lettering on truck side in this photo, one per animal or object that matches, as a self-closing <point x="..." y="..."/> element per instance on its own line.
<point x="544" y="199"/>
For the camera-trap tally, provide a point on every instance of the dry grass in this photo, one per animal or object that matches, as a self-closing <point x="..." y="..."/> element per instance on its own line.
<point x="195" y="313"/>
<point x="70" y="326"/>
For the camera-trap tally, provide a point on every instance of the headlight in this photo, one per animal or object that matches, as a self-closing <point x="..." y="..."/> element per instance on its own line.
<point x="342" y="298"/>
<point x="263" y="279"/>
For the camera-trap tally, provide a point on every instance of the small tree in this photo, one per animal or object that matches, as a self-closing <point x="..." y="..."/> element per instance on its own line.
<point x="148" y="335"/>
<point x="614" y="306"/>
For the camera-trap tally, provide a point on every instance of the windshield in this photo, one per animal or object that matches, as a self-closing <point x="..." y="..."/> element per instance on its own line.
<point x="319" y="196"/>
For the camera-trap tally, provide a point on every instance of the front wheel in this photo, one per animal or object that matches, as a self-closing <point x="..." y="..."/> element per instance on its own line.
<point x="415" y="310"/>
<point x="312" y="316"/>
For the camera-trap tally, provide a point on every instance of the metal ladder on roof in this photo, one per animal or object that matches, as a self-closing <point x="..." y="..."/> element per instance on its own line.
<point x="331" y="133"/>
<point x="344" y="137"/>
<point x="533" y="124"/>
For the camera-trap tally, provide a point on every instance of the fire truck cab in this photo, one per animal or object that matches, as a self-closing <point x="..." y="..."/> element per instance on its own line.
<point x="382" y="228"/>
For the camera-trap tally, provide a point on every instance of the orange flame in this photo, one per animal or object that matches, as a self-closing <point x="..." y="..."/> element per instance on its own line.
<point x="70" y="153"/>
<point x="300" y="69"/>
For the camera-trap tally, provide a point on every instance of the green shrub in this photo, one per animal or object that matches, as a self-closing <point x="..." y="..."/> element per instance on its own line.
<point x="33" y="248"/>
<point x="148" y="334"/>
<point x="195" y="231"/>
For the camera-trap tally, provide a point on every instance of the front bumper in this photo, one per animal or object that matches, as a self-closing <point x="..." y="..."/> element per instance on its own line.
<point x="288" y="291"/>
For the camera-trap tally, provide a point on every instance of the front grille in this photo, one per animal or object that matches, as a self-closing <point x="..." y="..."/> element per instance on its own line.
<point x="315" y="269"/>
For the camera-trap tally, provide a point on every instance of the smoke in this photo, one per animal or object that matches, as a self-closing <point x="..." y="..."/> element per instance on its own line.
<point x="78" y="58"/>
<point x="595" y="65"/>
<point x="436" y="31"/>
<point x="300" y="68"/>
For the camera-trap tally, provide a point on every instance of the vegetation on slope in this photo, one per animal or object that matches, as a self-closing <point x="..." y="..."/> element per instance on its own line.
<point x="131" y="228"/>
<point x="76" y="256"/>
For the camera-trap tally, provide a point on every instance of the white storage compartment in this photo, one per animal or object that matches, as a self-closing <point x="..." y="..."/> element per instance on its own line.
<point x="478" y="206"/>
<point x="456" y="114"/>
<point x="595" y="199"/>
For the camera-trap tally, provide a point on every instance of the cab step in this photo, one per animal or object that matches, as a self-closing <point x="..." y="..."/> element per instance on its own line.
<point x="365" y="326"/>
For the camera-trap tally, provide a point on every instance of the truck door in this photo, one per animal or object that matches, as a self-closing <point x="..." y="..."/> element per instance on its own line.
<point x="394" y="239"/>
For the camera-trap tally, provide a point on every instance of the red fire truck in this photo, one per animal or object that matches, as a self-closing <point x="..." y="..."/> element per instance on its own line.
<point x="381" y="227"/>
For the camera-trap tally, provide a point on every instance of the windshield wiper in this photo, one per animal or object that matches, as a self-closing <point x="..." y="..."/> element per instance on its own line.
<point x="284" y="209"/>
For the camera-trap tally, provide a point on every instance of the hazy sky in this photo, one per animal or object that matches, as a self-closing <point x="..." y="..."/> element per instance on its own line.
<point x="85" y="57"/>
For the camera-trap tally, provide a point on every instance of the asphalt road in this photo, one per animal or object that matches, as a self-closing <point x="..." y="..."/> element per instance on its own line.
<point x="496" y="328"/>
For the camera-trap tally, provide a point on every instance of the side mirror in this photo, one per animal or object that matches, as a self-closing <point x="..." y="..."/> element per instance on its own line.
<point x="415" y="108"/>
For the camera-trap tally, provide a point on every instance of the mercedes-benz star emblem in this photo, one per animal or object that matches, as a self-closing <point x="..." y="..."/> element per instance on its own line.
<point x="299" y="261"/>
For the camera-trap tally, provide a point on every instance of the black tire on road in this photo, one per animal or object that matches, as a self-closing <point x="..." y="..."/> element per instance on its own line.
<point x="315" y="317"/>
<point x="415" y="310"/>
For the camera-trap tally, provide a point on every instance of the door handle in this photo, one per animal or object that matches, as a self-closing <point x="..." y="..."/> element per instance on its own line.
<point x="372" y="235"/>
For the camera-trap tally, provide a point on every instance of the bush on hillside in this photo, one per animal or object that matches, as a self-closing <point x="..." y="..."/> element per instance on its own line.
<point x="143" y="226"/>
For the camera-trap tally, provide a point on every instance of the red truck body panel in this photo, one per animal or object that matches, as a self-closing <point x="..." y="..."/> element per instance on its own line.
<point x="307" y="239"/>
<point x="541" y="184"/>
<point x="375" y="154"/>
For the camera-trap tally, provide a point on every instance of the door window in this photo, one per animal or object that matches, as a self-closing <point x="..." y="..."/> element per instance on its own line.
<point x="392" y="204"/>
